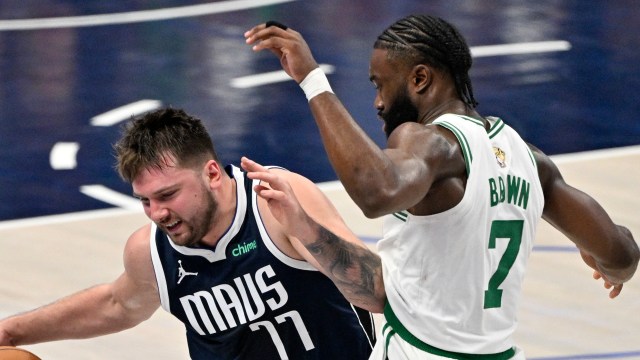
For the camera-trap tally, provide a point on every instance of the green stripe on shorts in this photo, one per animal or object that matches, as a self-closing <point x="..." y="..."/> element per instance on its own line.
<point x="397" y="326"/>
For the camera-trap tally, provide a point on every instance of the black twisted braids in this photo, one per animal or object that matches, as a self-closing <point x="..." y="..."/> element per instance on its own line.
<point x="433" y="41"/>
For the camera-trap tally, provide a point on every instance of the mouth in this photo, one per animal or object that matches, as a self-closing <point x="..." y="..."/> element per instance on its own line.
<point x="171" y="227"/>
<point x="384" y="123"/>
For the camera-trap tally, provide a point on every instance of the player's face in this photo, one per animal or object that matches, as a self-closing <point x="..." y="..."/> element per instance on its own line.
<point x="179" y="201"/>
<point x="392" y="97"/>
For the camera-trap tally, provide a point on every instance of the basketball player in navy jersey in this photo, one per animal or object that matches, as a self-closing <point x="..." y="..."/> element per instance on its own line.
<point x="454" y="187"/>
<point x="217" y="259"/>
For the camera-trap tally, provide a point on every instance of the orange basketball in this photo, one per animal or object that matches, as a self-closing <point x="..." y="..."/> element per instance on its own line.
<point x="14" y="353"/>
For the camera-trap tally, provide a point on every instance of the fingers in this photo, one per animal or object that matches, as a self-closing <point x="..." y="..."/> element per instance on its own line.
<point x="597" y="275"/>
<point x="256" y="171"/>
<point x="615" y="292"/>
<point x="276" y="24"/>
<point x="268" y="193"/>
<point x="250" y="33"/>
<point x="615" y="289"/>
<point x="277" y="186"/>
<point x="250" y="165"/>
<point x="264" y="33"/>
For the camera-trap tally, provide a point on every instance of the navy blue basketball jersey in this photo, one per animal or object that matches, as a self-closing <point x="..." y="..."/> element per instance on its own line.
<point x="245" y="299"/>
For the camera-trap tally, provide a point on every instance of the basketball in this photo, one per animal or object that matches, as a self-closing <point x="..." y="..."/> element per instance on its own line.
<point x="14" y="353"/>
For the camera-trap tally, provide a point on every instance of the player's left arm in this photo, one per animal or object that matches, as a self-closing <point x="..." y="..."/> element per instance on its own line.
<point x="608" y="248"/>
<point x="320" y="235"/>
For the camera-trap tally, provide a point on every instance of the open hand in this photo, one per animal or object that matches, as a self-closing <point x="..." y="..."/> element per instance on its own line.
<point x="288" y="45"/>
<point x="597" y="274"/>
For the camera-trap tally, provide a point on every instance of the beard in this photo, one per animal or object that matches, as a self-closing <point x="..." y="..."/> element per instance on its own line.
<point x="197" y="228"/>
<point x="400" y="111"/>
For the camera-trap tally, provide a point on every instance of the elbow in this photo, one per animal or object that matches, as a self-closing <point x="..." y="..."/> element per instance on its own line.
<point x="376" y="204"/>
<point x="378" y="294"/>
<point x="379" y="192"/>
<point x="374" y="305"/>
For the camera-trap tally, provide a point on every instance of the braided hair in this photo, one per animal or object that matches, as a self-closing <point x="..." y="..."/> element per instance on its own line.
<point x="431" y="40"/>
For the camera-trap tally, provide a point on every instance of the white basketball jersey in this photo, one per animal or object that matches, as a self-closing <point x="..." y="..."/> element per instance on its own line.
<point x="453" y="279"/>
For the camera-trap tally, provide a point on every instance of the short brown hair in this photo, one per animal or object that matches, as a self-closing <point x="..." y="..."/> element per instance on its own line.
<point x="152" y="139"/>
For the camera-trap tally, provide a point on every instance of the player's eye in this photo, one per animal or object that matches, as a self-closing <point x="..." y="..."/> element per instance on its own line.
<point x="167" y="195"/>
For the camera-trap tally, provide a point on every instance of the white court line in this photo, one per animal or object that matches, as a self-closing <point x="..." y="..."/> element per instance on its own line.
<point x="103" y="193"/>
<point x="136" y="16"/>
<point x="112" y="197"/>
<point x="63" y="155"/>
<point x="64" y="218"/>
<point x="249" y="81"/>
<point x="596" y="154"/>
<point x="558" y="159"/>
<point x="520" y="48"/>
<point x="325" y="186"/>
<point x="125" y="112"/>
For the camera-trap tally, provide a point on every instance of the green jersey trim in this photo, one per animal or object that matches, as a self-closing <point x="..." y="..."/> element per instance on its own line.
<point x="401" y="215"/>
<point x="533" y="159"/>
<point x="388" y="336"/>
<point x="464" y="143"/>
<point x="473" y="120"/>
<point x="396" y="325"/>
<point x="496" y="127"/>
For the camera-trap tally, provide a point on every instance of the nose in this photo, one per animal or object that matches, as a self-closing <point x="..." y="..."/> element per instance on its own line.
<point x="377" y="103"/>
<point x="157" y="213"/>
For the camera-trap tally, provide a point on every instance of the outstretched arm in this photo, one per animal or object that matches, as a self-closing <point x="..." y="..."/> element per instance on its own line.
<point x="607" y="248"/>
<point x="99" y="310"/>
<point x="329" y="244"/>
<point x="379" y="181"/>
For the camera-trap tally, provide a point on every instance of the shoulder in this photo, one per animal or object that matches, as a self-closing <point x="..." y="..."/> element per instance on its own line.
<point x="420" y="137"/>
<point x="137" y="288"/>
<point x="137" y="251"/>
<point x="139" y="239"/>
<point x="433" y="146"/>
<point x="548" y="172"/>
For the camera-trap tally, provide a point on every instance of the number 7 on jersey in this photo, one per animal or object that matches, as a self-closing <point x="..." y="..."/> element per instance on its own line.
<point x="512" y="231"/>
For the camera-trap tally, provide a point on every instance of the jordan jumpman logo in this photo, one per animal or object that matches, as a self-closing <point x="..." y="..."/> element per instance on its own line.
<point x="182" y="273"/>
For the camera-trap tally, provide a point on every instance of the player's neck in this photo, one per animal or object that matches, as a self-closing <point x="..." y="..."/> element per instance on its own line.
<point x="452" y="106"/>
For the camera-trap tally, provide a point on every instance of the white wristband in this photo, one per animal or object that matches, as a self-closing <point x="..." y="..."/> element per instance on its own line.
<point x="315" y="83"/>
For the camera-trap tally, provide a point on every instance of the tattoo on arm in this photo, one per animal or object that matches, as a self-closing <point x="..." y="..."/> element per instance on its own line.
<point x="354" y="269"/>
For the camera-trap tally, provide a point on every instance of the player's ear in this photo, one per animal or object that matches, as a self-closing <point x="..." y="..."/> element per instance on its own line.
<point x="421" y="77"/>
<point x="213" y="173"/>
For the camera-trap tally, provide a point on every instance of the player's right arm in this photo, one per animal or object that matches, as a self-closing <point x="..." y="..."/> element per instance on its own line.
<point x="606" y="247"/>
<point x="318" y="234"/>
<point x="100" y="310"/>
<point x="379" y="181"/>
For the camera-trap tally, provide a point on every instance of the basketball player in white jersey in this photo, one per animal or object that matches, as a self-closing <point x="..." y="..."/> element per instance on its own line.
<point x="461" y="193"/>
